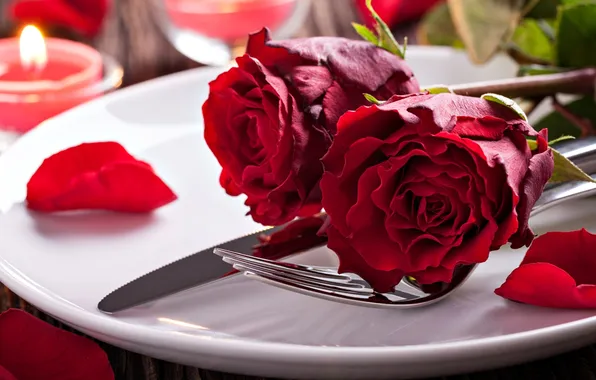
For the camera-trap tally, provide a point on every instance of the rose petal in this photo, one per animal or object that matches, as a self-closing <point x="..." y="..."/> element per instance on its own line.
<point x="99" y="175"/>
<point x="559" y="270"/>
<point x="351" y="261"/>
<point x="572" y="251"/>
<point x="348" y="60"/>
<point x="539" y="172"/>
<point x="228" y="184"/>
<point x="544" y="284"/>
<point x="311" y="82"/>
<point x="5" y="375"/>
<point x="84" y="16"/>
<point x="32" y="349"/>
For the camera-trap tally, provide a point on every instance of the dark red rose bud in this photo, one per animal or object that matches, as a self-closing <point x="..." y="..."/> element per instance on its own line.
<point x="425" y="183"/>
<point x="271" y="119"/>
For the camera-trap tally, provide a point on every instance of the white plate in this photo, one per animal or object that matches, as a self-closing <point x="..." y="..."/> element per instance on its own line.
<point x="66" y="264"/>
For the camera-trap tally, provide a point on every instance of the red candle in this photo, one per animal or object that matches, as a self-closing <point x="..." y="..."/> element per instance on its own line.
<point x="40" y="78"/>
<point x="228" y="19"/>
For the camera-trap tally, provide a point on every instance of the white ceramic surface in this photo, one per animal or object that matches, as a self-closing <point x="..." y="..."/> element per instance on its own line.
<point x="65" y="264"/>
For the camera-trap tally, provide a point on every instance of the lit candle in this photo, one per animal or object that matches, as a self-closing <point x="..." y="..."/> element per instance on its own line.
<point x="41" y="77"/>
<point x="228" y="20"/>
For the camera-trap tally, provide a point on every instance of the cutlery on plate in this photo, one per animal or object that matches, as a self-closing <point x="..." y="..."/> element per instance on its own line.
<point x="203" y="267"/>
<point x="327" y="284"/>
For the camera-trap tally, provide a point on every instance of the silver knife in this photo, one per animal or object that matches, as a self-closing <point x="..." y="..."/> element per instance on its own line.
<point x="188" y="272"/>
<point x="204" y="267"/>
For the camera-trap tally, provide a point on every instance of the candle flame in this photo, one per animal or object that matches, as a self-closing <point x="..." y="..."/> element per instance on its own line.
<point x="33" y="49"/>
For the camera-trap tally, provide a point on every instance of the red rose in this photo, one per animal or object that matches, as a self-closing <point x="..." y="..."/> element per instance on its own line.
<point x="83" y="16"/>
<point x="270" y="120"/>
<point x="426" y="182"/>
<point x="559" y="270"/>
<point x="394" y="12"/>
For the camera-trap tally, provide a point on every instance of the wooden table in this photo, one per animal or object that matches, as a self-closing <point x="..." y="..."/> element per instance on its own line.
<point x="133" y="38"/>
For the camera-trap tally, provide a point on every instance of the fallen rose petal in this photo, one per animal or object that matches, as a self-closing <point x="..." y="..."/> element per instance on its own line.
<point x="84" y="16"/>
<point x="31" y="349"/>
<point x="5" y="375"/>
<point x="100" y="175"/>
<point x="559" y="270"/>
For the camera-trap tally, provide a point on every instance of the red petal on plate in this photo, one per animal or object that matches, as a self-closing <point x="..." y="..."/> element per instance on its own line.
<point x="559" y="270"/>
<point x="5" y="375"/>
<point x="32" y="349"/>
<point x="100" y="175"/>
<point x="84" y="16"/>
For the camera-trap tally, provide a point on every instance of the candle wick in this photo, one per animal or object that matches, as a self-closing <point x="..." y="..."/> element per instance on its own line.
<point x="34" y="68"/>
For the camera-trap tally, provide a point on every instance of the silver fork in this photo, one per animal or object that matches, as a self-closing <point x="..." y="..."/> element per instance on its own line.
<point x="326" y="283"/>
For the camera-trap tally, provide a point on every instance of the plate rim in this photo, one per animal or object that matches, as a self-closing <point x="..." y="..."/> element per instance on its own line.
<point x="241" y="348"/>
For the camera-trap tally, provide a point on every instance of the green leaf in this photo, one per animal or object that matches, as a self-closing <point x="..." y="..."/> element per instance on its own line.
<point x="366" y="33"/>
<point x="485" y="25"/>
<point x="439" y="89"/>
<point x="576" y="32"/>
<point x="372" y="99"/>
<point x="558" y="125"/>
<point x="574" y="2"/>
<point x="565" y="170"/>
<point x="538" y="70"/>
<point x="385" y="36"/>
<point x="560" y="139"/>
<point x="544" y="9"/>
<point x="436" y="28"/>
<point x="509" y="103"/>
<point x="530" y="38"/>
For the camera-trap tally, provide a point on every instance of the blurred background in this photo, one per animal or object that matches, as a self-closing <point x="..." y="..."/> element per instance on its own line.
<point x="133" y="31"/>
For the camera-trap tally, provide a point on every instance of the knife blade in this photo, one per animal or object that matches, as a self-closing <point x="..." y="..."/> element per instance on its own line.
<point x="189" y="272"/>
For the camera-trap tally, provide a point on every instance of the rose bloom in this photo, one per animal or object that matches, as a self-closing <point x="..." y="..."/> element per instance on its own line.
<point x="425" y="183"/>
<point x="270" y="120"/>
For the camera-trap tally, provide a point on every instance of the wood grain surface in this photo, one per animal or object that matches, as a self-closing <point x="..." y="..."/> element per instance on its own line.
<point x="132" y="36"/>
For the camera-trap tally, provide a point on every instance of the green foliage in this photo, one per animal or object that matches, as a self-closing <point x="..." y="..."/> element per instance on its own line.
<point x="544" y="9"/>
<point x="565" y="170"/>
<point x="372" y="99"/>
<point x="384" y="37"/>
<point x="437" y="89"/>
<point x="437" y="28"/>
<point x="532" y="40"/>
<point x="484" y="26"/>
<point x="576" y="34"/>
<point x="366" y="33"/>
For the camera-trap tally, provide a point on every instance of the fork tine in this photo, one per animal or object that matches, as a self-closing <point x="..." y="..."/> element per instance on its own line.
<point x="313" y="280"/>
<point x="286" y="267"/>
<point x="329" y="289"/>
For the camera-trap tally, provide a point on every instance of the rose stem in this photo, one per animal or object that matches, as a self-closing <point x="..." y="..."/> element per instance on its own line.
<point x="584" y="125"/>
<point x="571" y="82"/>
